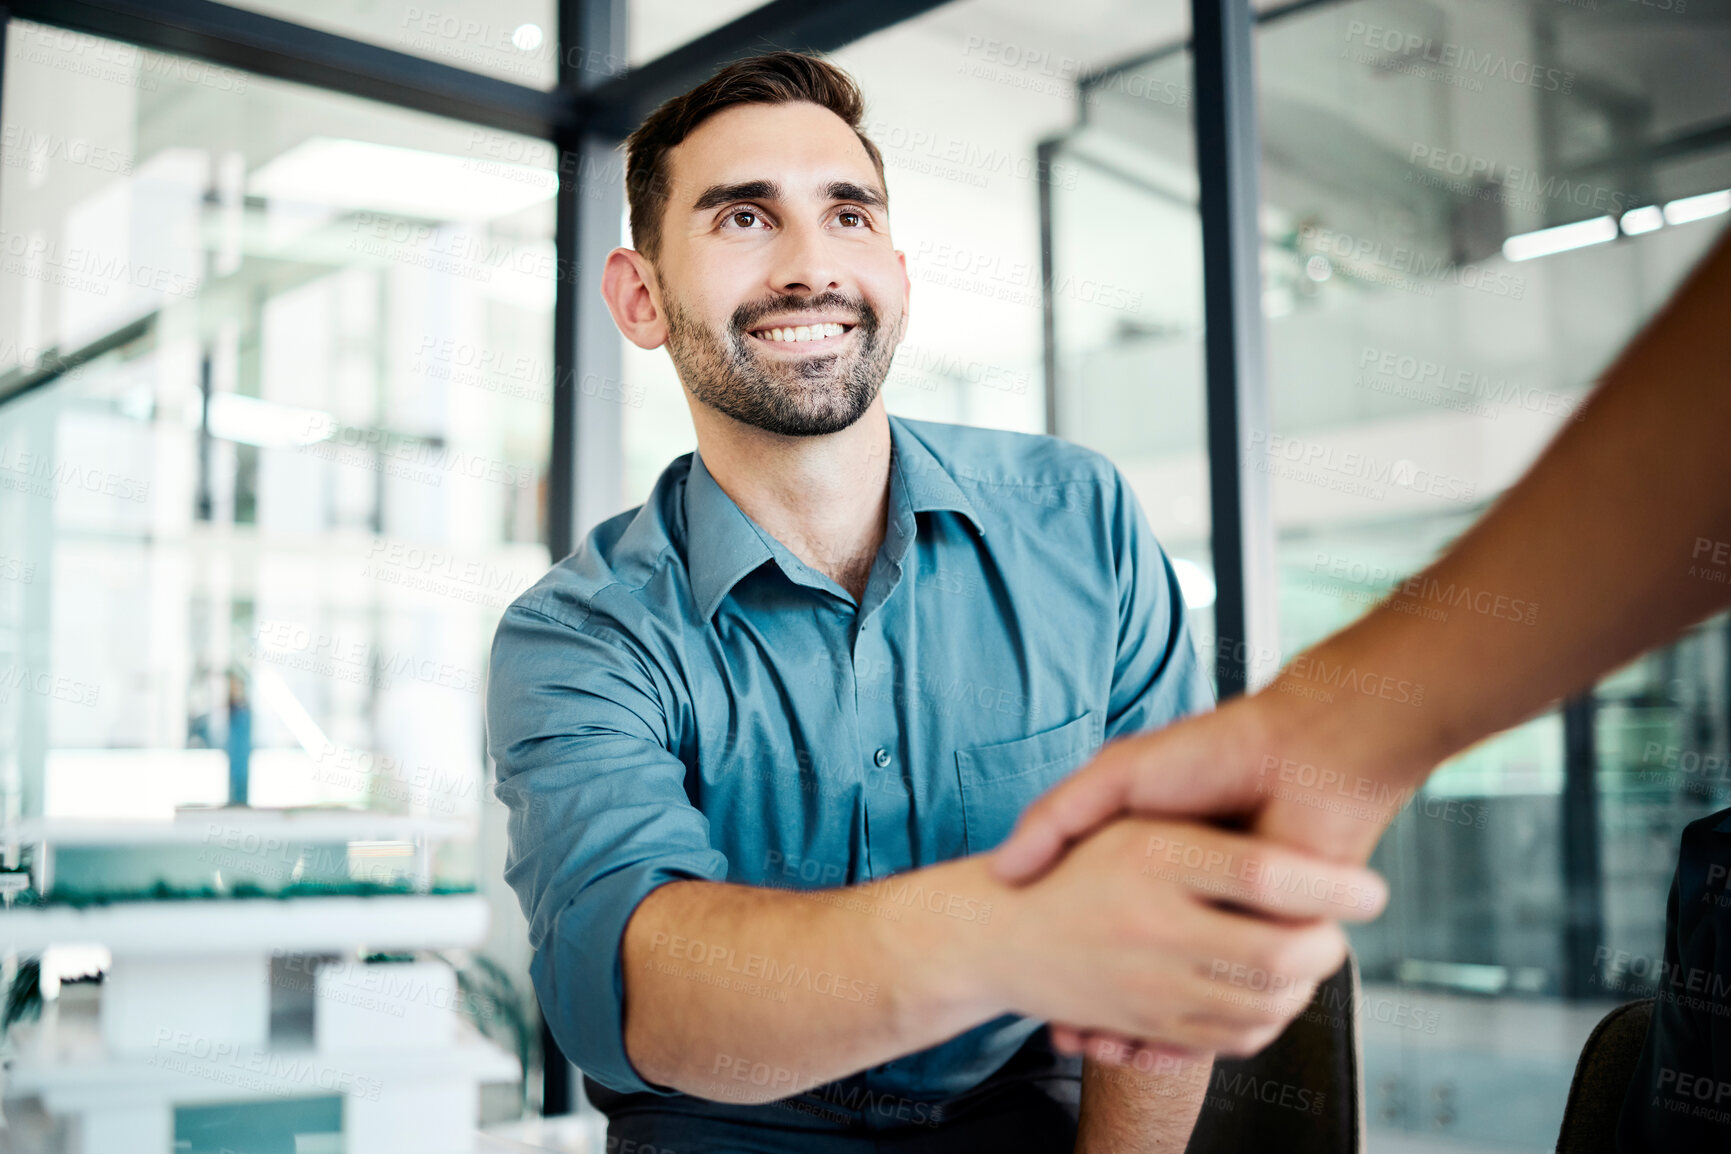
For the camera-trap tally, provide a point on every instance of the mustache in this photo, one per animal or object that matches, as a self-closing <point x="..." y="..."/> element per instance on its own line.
<point x="753" y="313"/>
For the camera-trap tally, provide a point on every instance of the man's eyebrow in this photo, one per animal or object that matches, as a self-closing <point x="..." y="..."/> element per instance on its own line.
<point x="859" y="194"/>
<point x="717" y="195"/>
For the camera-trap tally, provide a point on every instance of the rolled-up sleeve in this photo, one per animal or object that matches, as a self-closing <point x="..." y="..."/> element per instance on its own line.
<point x="599" y="817"/>
<point x="1156" y="677"/>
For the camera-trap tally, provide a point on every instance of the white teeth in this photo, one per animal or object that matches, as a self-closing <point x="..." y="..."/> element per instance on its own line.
<point x="797" y="333"/>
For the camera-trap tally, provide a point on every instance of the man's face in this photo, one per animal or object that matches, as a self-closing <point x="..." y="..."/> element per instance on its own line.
<point x="784" y="298"/>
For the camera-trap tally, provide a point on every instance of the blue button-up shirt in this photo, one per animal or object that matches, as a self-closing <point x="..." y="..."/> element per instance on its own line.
<point x="683" y="697"/>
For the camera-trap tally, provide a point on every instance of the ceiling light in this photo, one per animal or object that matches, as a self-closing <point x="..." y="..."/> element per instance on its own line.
<point x="527" y="38"/>
<point x="358" y="174"/>
<point x="1698" y="207"/>
<point x="252" y="421"/>
<point x="1547" y="241"/>
<point x="1644" y="219"/>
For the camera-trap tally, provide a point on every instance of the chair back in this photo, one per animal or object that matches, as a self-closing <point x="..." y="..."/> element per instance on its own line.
<point x="1304" y="1094"/>
<point x="1602" y="1076"/>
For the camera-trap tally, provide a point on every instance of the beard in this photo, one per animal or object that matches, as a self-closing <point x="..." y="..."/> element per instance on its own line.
<point x="808" y="397"/>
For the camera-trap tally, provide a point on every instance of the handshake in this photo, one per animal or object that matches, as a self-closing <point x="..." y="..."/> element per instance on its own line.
<point x="1135" y="927"/>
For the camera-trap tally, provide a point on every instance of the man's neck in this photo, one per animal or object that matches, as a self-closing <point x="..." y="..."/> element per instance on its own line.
<point x="826" y="498"/>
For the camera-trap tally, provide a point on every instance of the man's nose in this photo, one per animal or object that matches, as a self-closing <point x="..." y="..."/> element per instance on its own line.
<point x="804" y="261"/>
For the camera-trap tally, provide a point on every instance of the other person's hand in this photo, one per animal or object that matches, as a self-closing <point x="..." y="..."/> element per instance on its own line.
<point x="1184" y="937"/>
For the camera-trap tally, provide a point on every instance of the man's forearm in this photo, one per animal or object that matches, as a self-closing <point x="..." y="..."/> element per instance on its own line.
<point x="1126" y="1110"/>
<point x="746" y="994"/>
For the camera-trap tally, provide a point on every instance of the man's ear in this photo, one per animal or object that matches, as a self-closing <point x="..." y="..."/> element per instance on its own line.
<point x="907" y="293"/>
<point x="628" y="285"/>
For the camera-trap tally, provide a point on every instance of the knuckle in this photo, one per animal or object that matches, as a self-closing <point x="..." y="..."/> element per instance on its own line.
<point x="1279" y="953"/>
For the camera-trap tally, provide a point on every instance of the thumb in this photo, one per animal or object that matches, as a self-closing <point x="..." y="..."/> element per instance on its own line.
<point x="1188" y="768"/>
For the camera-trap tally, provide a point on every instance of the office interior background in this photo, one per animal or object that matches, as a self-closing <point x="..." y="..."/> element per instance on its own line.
<point x="301" y="384"/>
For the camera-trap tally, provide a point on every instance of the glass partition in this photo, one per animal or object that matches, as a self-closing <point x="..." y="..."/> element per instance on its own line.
<point x="275" y="459"/>
<point x="1467" y="210"/>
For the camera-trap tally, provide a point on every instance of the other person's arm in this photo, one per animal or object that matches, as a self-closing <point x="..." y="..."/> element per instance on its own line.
<point x="1620" y="535"/>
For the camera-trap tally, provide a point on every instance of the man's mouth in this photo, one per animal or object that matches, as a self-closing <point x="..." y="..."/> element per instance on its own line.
<point x="818" y="333"/>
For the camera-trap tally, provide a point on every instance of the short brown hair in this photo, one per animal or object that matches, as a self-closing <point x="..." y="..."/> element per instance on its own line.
<point x="773" y="78"/>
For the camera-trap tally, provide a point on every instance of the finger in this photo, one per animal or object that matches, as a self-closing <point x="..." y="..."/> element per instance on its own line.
<point x="1240" y="1009"/>
<point x="1067" y="1039"/>
<point x="1121" y="1050"/>
<point x="1064" y="814"/>
<point x="1160" y="1059"/>
<point x="1203" y="766"/>
<point x="1261" y="958"/>
<point x="1111" y="1049"/>
<point x="1262" y="876"/>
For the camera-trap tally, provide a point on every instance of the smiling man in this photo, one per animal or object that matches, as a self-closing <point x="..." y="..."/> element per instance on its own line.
<point x="757" y="735"/>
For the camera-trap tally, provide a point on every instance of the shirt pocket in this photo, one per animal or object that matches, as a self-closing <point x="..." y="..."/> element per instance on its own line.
<point x="999" y="780"/>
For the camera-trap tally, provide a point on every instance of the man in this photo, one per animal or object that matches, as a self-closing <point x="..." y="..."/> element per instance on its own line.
<point x="757" y="735"/>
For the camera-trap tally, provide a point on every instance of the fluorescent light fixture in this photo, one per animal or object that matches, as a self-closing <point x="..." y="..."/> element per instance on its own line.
<point x="252" y="421"/>
<point x="1698" y="207"/>
<point x="358" y="174"/>
<point x="1644" y="219"/>
<point x="1195" y="583"/>
<point x="1564" y="237"/>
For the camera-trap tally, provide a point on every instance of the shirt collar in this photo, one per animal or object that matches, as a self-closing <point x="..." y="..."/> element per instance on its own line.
<point x="723" y="544"/>
<point x="927" y="483"/>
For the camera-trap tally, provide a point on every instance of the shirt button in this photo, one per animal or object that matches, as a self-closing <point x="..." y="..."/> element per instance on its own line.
<point x="881" y="758"/>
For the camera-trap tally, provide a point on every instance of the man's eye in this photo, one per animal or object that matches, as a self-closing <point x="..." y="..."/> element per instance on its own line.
<point x="851" y="219"/>
<point x="743" y="218"/>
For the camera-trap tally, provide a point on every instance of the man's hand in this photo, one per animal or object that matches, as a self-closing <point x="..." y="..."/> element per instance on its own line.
<point x="1128" y="936"/>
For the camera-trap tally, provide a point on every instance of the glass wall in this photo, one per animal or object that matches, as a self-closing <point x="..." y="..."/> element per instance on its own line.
<point x="1428" y="333"/>
<point x="280" y="457"/>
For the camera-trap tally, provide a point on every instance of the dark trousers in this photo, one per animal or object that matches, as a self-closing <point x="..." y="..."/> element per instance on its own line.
<point x="1028" y="1106"/>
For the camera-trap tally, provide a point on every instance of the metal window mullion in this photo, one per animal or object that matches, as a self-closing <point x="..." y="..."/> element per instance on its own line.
<point x="1227" y="159"/>
<point x="264" y="45"/>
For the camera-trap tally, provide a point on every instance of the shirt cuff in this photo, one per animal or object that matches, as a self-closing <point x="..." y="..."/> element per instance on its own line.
<point x="579" y="972"/>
